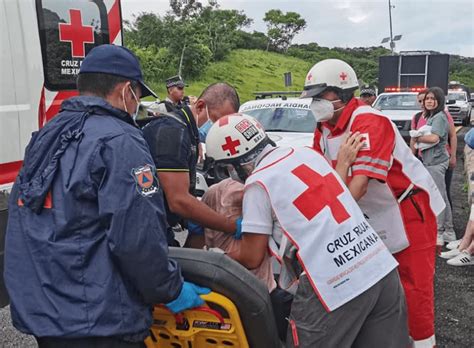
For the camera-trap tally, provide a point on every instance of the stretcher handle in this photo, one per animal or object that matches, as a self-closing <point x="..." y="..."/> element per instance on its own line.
<point x="210" y="311"/>
<point x="179" y="317"/>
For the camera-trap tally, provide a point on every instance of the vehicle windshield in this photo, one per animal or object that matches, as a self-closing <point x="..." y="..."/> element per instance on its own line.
<point x="285" y="119"/>
<point x="397" y="102"/>
<point x="457" y="96"/>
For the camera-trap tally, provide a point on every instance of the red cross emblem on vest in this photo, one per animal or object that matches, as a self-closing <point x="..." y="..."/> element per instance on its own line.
<point x="322" y="192"/>
<point x="76" y="33"/>
<point x="231" y="145"/>
<point x="343" y="76"/>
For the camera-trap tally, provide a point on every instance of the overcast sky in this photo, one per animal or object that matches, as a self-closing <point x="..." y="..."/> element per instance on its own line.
<point x="446" y="26"/>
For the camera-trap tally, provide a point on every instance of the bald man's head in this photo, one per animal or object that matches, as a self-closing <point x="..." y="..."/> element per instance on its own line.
<point x="220" y="99"/>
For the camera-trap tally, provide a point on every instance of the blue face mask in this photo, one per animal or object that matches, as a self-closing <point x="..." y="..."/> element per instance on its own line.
<point x="204" y="129"/>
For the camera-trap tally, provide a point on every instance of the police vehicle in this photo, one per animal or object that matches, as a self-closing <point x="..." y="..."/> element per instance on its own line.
<point x="400" y="107"/>
<point x="287" y="121"/>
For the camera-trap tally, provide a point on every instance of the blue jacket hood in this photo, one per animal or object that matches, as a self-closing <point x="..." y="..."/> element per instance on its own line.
<point x="40" y="166"/>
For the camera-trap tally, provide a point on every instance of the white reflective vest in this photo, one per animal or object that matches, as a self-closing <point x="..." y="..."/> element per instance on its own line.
<point x="379" y="204"/>
<point x="339" y="251"/>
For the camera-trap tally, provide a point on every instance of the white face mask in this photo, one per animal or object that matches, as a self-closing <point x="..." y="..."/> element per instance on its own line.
<point x="247" y="168"/>
<point x="135" y="114"/>
<point x="233" y="174"/>
<point x="323" y="109"/>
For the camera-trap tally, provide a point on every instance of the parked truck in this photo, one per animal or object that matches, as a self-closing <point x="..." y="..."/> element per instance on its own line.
<point x="459" y="102"/>
<point x="413" y="70"/>
<point x="402" y="76"/>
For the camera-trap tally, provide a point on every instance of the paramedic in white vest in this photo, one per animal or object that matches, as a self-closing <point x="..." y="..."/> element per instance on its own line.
<point x="349" y="293"/>
<point x="393" y="189"/>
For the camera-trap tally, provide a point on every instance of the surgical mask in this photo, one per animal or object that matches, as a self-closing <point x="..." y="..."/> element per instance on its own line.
<point x="323" y="109"/>
<point x="135" y="114"/>
<point x="233" y="174"/>
<point x="245" y="168"/>
<point x="204" y="129"/>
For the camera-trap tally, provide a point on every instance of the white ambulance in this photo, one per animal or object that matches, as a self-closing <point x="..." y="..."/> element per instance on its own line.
<point x="42" y="45"/>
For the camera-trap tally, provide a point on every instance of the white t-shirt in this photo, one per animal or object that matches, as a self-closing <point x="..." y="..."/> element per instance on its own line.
<point x="257" y="214"/>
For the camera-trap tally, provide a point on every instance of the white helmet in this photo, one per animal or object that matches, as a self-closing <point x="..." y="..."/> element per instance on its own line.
<point x="236" y="139"/>
<point x="329" y="73"/>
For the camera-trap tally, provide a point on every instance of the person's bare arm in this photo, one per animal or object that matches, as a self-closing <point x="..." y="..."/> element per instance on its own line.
<point x="412" y="145"/>
<point x="253" y="248"/>
<point x="358" y="186"/>
<point x="181" y="202"/>
<point x="453" y="144"/>
<point x="428" y="139"/>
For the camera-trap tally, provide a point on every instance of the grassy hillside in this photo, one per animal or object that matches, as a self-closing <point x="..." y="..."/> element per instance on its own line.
<point x="256" y="70"/>
<point x="248" y="71"/>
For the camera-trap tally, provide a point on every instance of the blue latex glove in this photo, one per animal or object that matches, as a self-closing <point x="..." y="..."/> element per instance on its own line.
<point x="188" y="298"/>
<point x="195" y="229"/>
<point x="238" y="229"/>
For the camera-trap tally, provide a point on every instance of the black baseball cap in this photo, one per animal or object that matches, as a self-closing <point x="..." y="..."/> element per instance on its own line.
<point x="175" y="81"/>
<point x="368" y="90"/>
<point x="118" y="61"/>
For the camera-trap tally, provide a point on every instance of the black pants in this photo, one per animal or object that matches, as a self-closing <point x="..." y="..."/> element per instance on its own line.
<point x="448" y="177"/>
<point x="281" y="303"/>
<point x="89" y="342"/>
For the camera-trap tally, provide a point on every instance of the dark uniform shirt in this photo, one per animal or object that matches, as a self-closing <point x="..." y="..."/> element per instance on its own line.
<point x="173" y="140"/>
<point x="86" y="253"/>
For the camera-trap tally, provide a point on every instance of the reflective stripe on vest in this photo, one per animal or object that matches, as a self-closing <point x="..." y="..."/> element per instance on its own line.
<point x="388" y="221"/>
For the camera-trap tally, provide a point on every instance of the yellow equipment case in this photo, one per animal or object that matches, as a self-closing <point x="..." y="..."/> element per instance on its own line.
<point x="238" y="312"/>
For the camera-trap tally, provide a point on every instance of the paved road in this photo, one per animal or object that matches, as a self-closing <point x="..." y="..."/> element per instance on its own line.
<point x="454" y="286"/>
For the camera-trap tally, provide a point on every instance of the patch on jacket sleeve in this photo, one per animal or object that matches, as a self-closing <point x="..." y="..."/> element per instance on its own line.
<point x="365" y="142"/>
<point x="145" y="180"/>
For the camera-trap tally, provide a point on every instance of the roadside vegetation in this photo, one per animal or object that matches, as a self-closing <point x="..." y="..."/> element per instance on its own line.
<point x="205" y="44"/>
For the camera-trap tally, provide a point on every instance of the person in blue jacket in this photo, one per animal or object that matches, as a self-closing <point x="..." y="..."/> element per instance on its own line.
<point x="86" y="254"/>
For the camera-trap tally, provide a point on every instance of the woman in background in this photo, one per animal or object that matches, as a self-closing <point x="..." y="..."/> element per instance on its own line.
<point x="432" y="143"/>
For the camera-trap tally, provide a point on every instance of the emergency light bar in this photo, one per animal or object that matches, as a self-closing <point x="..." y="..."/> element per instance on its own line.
<point x="407" y="89"/>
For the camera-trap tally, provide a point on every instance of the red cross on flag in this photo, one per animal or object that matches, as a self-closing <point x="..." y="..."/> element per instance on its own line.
<point x="322" y="192"/>
<point x="76" y="33"/>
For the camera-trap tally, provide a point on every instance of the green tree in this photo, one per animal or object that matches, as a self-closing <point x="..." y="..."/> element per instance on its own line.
<point x="146" y="29"/>
<point x="282" y="28"/>
<point x="252" y="41"/>
<point x="220" y="28"/>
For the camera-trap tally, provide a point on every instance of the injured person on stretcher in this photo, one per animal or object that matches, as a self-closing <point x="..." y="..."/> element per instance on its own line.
<point x="226" y="198"/>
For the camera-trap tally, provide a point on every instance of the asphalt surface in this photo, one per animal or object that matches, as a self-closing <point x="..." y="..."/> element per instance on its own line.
<point x="454" y="286"/>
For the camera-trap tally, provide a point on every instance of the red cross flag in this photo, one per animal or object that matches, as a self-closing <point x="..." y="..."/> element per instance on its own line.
<point x="76" y="33"/>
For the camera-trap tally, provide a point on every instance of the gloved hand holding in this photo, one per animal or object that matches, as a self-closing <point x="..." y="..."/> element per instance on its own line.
<point x="195" y="229"/>
<point x="188" y="298"/>
<point x="238" y="228"/>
